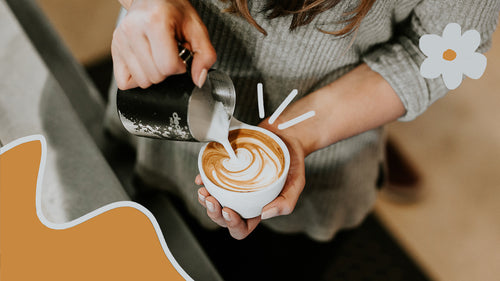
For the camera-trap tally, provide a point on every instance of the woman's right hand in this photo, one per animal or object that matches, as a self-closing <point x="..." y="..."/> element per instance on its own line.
<point x="144" y="45"/>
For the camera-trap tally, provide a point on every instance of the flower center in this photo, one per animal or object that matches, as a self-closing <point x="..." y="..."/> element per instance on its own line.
<point x="449" y="55"/>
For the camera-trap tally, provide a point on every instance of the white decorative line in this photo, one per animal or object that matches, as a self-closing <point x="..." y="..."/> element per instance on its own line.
<point x="282" y="106"/>
<point x="297" y="120"/>
<point x="260" y="100"/>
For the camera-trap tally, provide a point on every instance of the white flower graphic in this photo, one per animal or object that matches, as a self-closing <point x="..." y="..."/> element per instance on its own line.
<point x="452" y="55"/>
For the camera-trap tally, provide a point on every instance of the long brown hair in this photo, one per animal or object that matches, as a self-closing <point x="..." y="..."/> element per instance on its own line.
<point x="303" y="11"/>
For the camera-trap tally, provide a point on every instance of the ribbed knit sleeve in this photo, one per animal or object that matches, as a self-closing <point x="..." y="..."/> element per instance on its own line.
<point x="399" y="60"/>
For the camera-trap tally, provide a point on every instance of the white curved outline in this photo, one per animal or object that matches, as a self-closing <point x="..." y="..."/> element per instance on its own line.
<point x="92" y="214"/>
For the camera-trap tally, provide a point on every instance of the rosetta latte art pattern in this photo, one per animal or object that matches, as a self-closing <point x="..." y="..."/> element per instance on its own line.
<point x="260" y="161"/>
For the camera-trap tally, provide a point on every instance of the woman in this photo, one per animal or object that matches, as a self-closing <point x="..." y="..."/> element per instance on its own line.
<point x="355" y="63"/>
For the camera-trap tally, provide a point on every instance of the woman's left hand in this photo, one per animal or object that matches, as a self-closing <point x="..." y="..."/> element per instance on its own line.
<point x="359" y="101"/>
<point x="238" y="227"/>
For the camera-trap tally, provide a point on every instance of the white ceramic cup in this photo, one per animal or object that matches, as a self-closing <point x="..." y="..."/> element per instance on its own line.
<point x="247" y="204"/>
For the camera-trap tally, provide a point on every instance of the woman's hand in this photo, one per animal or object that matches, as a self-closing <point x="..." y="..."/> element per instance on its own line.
<point x="358" y="101"/>
<point x="284" y="204"/>
<point x="144" y="45"/>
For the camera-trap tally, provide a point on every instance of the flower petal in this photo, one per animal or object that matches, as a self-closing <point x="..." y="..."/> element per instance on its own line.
<point x="452" y="32"/>
<point x="431" y="45"/>
<point x="452" y="79"/>
<point x="474" y="65"/>
<point x="470" y="41"/>
<point x="431" y="68"/>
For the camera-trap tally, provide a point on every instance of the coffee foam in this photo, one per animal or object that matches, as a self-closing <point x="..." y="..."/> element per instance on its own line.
<point x="260" y="161"/>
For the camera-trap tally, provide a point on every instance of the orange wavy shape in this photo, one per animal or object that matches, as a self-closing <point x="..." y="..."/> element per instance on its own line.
<point x="120" y="241"/>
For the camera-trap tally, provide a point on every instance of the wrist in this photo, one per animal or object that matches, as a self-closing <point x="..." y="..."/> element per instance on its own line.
<point x="292" y="138"/>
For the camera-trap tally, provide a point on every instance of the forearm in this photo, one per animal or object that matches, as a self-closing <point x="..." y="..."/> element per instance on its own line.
<point x="357" y="102"/>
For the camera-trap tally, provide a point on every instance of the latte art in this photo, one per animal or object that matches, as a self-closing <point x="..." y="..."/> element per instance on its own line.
<point x="259" y="162"/>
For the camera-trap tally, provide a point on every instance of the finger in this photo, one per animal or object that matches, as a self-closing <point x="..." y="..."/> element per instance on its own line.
<point x="214" y="211"/>
<point x="202" y="196"/>
<point x="238" y="227"/>
<point x="138" y="76"/>
<point x="198" y="180"/>
<point x="164" y="50"/>
<point x="196" y="35"/>
<point x="142" y="50"/>
<point x="121" y="72"/>
<point x="123" y="45"/>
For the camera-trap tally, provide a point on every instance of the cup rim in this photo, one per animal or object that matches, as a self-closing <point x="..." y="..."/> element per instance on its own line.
<point x="277" y="139"/>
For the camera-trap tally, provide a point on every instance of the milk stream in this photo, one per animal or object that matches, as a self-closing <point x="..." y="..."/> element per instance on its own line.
<point x="229" y="149"/>
<point x="209" y="120"/>
<point x="219" y="129"/>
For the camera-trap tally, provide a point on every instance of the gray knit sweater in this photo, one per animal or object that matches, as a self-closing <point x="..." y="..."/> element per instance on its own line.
<point x="340" y="179"/>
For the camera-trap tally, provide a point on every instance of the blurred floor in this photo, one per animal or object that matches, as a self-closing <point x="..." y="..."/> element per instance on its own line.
<point x="86" y="26"/>
<point x="453" y="232"/>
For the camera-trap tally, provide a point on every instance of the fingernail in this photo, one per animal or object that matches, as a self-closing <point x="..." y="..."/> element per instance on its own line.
<point x="210" y="206"/>
<point x="267" y="214"/>
<point x="202" y="78"/>
<point x="201" y="197"/>
<point x="226" y="215"/>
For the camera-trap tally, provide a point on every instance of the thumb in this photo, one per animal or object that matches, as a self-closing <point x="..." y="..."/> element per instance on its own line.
<point x="204" y="57"/>
<point x="279" y="207"/>
<point x="203" y="60"/>
<point x="295" y="182"/>
<point x="285" y="203"/>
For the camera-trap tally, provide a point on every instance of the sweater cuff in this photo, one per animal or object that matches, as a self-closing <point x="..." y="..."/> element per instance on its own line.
<point x="399" y="64"/>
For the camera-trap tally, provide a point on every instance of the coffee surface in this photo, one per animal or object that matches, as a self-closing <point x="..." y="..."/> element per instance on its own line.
<point x="260" y="161"/>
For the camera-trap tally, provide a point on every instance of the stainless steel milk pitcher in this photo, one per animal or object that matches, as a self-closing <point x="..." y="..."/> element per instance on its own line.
<point x="176" y="109"/>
